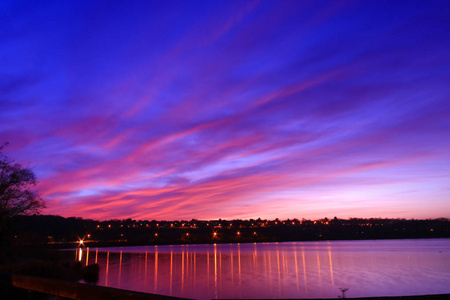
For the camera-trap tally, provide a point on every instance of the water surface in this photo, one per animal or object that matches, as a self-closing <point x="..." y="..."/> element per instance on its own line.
<point x="279" y="270"/>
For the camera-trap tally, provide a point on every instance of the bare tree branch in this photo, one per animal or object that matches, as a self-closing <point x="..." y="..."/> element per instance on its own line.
<point x="17" y="189"/>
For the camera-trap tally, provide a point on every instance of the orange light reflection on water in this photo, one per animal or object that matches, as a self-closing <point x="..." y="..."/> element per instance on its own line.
<point x="283" y="270"/>
<point x="146" y="266"/>
<point x="304" y="270"/>
<point x="120" y="267"/>
<point x="215" y="270"/>
<point x="296" y="268"/>
<point x="156" y="269"/>
<point x="107" y="269"/>
<point x="318" y="270"/>
<point x="182" y="270"/>
<point x="171" y="272"/>
<point x="331" y="266"/>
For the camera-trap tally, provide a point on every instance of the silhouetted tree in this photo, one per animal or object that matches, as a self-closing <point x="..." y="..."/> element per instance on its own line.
<point x="17" y="194"/>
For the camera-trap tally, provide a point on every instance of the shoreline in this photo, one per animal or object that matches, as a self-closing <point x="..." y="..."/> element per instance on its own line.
<point x="92" y="244"/>
<point x="88" y="244"/>
<point x="410" y="297"/>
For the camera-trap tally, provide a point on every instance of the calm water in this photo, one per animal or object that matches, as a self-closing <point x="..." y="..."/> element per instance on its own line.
<point x="279" y="270"/>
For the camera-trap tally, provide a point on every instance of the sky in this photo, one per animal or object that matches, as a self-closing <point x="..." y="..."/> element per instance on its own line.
<point x="173" y="110"/>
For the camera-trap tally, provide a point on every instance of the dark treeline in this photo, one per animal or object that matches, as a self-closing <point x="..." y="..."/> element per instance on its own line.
<point x="55" y="230"/>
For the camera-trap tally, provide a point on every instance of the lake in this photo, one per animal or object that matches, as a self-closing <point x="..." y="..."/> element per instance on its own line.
<point x="278" y="270"/>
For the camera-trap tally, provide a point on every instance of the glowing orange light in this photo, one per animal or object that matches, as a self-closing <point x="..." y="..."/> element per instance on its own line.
<point x="187" y="233"/>
<point x="88" y="235"/>
<point x="254" y="232"/>
<point x="156" y="234"/>
<point x="215" y="234"/>
<point x="238" y="233"/>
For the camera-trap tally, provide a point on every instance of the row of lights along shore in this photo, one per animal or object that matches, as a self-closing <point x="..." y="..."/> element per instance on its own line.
<point x="187" y="234"/>
<point x="190" y="225"/>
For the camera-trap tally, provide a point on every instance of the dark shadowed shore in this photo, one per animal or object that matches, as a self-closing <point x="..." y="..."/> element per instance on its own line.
<point x="62" y="232"/>
<point x="416" y="297"/>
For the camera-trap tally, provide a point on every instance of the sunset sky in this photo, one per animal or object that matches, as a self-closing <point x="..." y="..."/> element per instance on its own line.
<point x="230" y="109"/>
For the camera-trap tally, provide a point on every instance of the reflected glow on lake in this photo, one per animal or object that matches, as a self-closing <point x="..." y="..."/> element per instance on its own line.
<point x="279" y="270"/>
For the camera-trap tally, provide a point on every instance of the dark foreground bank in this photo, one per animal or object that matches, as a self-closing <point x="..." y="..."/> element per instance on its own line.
<point x="15" y="286"/>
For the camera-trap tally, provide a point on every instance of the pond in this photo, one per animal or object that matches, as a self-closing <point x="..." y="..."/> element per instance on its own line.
<point x="278" y="270"/>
